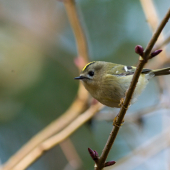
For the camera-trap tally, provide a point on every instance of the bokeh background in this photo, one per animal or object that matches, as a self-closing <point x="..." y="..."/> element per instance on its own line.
<point x="37" y="52"/>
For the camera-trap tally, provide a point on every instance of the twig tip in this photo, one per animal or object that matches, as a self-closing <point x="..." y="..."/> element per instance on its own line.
<point x="139" y="50"/>
<point x="110" y="163"/>
<point x="155" y="53"/>
<point x="93" y="154"/>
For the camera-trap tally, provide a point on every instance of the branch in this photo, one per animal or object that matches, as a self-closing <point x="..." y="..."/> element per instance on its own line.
<point x="70" y="7"/>
<point x="151" y="14"/>
<point x="163" y="43"/>
<point x="56" y="139"/>
<point x="153" y="21"/>
<point x="76" y="107"/>
<point x="71" y="154"/>
<point x="122" y="112"/>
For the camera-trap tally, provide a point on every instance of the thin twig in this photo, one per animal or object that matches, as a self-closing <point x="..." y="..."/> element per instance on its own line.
<point x="71" y="154"/>
<point x="70" y="7"/>
<point x="129" y="93"/>
<point x="153" y="20"/>
<point x="76" y="107"/>
<point x="163" y="43"/>
<point x="56" y="139"/>
<point x="152" y="14"/>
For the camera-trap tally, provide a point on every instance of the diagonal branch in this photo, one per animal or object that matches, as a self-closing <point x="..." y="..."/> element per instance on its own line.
<point x="70" y="7"/>
<point x="163" y="43"/>
<point x="153" y="21"/>
<point x="142" y="61"/>
<point x="78" y="105"/>
<point x="59" y="137"/>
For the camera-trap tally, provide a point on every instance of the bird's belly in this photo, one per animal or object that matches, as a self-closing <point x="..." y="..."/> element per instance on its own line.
<point x="111" y="96"/>
<point x="110" y="103"/>
<point x="142" y="82"/>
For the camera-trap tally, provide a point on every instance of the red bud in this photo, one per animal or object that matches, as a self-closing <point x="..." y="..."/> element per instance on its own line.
<point x="110" y="163"/>
<point x="96" y="154"/>
<point x="139" y="50"/>
<point x="93" y="154"/>
<point x="155" y="53"/>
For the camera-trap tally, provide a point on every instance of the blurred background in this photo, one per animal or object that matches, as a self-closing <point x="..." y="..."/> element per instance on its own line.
<point x="37" y="52"/>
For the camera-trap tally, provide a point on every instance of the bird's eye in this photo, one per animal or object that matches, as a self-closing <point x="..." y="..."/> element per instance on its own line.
<point x="91" y="73"/>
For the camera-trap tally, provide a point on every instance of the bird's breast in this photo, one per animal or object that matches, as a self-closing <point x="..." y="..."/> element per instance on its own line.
<point x="110" y="91"/>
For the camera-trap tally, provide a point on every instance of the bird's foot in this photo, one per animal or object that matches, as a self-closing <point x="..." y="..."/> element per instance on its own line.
<point x="122" y="105"/>
<point x="115" y="123"/>
<point x="121" y="102"/>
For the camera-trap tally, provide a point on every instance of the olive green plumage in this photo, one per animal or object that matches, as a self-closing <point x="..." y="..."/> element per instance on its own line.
<point x="107" y="82"/>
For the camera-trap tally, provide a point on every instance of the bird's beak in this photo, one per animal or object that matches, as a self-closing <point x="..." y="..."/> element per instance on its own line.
<point x="80" y="78"/>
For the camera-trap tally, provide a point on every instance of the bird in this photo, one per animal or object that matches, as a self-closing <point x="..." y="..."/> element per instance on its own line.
<point x="108" y="82"/>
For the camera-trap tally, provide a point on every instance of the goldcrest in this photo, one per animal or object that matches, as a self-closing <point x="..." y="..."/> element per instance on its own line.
<point x="108" y="82"/>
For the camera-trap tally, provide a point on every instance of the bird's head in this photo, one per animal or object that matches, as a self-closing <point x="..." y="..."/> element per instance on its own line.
<point x="92" y="73"/>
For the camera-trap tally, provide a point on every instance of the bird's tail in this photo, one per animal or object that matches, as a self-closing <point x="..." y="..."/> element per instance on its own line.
<point x="161" y="72"/>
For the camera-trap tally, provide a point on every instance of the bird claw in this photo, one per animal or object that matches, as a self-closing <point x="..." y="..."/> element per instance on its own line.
<point x="115" y="122"/>
<point x="121" y="104"/>
<point x="116" y="118"/>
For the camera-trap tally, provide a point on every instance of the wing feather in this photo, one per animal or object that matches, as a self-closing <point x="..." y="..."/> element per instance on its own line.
<point x="121" y="70"/>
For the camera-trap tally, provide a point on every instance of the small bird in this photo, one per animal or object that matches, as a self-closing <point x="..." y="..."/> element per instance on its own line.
<point x="108" y="82"/>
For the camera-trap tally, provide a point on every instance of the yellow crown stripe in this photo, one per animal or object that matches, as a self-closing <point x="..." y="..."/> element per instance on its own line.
<point x="87" y="65"/>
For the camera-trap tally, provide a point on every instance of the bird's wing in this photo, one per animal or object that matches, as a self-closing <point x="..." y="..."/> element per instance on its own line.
<point x="121" y="70"/>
